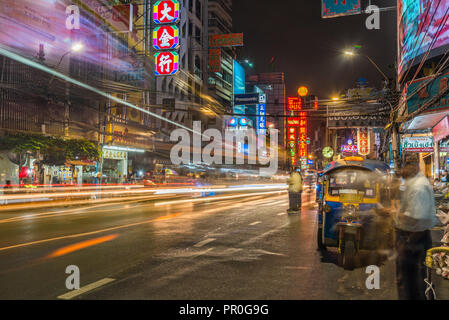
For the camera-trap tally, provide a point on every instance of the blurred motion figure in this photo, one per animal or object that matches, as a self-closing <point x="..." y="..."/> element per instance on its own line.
<point x="294" y="191"/>
<point x="413" y="221"/>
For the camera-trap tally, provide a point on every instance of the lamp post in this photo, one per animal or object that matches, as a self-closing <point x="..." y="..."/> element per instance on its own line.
<point x="76" y="47"/>
<point x="352" y="53"/>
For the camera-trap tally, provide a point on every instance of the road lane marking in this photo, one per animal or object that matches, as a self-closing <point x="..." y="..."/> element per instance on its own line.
<point x="254" y="239"/>
<point x="282" y="213"/>
<point x="77" y="235"/>
<point x="89" y="287"/>
<point x="204" y="242"/>
<point x="269" y="252"/>
<point x="254" y="223"/>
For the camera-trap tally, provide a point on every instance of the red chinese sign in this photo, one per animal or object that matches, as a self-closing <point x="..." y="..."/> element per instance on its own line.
<point x="226" y="40"/>
<point x="166" y="37"/>
<point x="166" y="63"/>
<point x="214" y="60"/>
<point x="294" y="104"/>
<point x="363" y="141"/>
<point x="166" y="11"/>
<point x="302" y="137"/>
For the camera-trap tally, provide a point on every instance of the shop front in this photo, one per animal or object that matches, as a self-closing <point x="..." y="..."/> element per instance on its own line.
<point x="114" y="164"/>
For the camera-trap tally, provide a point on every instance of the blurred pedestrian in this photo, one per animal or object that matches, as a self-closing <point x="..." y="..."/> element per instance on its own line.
<point x="413" y="221"/>
<point x="295" y="190"/>
<point x="445" y="177"/>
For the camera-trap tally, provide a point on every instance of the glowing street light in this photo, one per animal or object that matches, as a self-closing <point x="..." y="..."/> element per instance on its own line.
<point x="303" y="91"/>
<point x="77" y="47"/>
<point x="335" y="99"/>
<point x="352" y="53"/>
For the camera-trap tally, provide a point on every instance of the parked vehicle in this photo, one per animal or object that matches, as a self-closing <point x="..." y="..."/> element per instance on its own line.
<point x="350" y="193"/>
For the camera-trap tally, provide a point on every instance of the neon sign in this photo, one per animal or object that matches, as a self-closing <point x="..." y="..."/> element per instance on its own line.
<point x="166" y="11"/>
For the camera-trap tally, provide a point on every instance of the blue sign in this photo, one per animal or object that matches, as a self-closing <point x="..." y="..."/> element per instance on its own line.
<point x="239" y="78"/>
<point x="261" y="119"/>
<point x="309" y="162"/>
<point x="239" y="85"/>
<point x="233" y="122"/>
<point x="243" y="122"/>
<point x="337" y="8"/>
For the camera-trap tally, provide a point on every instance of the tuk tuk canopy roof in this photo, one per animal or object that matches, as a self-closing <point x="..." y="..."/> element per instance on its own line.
<point x="370" y="165"/>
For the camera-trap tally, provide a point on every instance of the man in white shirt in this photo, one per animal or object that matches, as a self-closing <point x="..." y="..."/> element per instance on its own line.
<point x="414" y="220"/>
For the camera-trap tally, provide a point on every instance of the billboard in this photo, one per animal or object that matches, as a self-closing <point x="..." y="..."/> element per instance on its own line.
<point x="338" y="8"/>
<point x="422" y="90"/>
<point x="239" y="78"/>
<point x="29" y="26"/>
<point x="420" y="22"/>
<point x="226" y="40"/>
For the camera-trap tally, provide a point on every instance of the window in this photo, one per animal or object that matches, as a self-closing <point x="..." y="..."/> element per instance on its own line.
<point x="198" y="10"/>
<point x="198" y="66"/>
<point x="198" y="34"/>
<point x="190" y="29"/>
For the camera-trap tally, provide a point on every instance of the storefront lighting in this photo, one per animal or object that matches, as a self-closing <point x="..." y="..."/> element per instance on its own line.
<point x="124" y="149"/>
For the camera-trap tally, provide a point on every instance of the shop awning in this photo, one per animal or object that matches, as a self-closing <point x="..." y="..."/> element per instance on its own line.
<point x="424" y="122"/>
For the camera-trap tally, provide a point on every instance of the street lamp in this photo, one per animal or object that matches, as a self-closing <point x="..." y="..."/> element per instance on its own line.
<point x="352" y="53"/>
<point x="76" y="47"/>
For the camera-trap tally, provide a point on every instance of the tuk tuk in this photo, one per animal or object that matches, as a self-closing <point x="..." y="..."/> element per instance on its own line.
<point x="350" y="193"/>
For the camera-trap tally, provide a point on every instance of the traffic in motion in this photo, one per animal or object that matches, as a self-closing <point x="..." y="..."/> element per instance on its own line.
<point x="223" y="150"/>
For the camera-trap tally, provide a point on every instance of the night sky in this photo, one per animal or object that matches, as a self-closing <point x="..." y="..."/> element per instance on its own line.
<point x="308" y="48"/>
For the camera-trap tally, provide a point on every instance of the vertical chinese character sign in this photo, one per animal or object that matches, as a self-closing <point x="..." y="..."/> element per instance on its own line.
<point x="292" y="138"/>
<point x="166" y="11"/>
<point x="363" y="141"/>
<point x="166" y="63"/>
<point x="302" y="139"/>
<point x="166" y="37"/>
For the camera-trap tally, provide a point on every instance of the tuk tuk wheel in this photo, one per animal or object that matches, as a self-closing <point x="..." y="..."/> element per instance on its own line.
<point x="346" y="258"/>
<point x="319" y="239"/>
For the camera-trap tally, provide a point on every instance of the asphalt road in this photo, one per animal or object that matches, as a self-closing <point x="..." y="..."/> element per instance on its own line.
<point x="236" y="248"/>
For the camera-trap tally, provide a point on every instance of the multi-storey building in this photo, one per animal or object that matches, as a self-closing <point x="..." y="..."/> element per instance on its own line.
<point x="273" y="85"/>
<point x="221" y="83"/>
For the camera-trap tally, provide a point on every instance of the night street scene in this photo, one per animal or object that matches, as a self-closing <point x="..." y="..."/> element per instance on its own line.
<point x="224" y="150"/>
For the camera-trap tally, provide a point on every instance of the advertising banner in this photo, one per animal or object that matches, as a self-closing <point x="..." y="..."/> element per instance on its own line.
<point x="246" y="99"/>
<point x="421" y="22"/>
<point x="422" y="90"/>
<point x="226" y="40"/>
<point x="338" y="8"/>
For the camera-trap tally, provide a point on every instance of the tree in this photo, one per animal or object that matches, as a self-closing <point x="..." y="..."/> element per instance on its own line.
<point x="54" y="150"/>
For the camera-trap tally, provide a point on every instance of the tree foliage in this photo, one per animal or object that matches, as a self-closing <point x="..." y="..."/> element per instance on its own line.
<point x="54" y="150"/>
